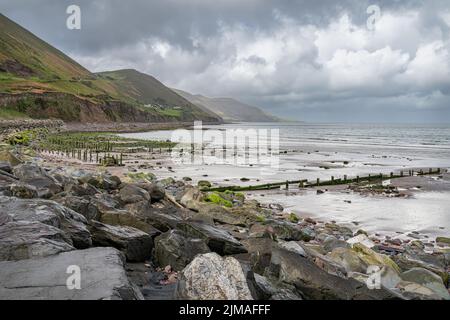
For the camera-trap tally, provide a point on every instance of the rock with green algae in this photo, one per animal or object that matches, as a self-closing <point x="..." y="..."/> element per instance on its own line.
<point x="221" y="215"/>
<point x="215" y="197"/>
<point x="8" y="156"/>
<point x="373" y="258"/>
<point x="427" y="279"/>
<point x="141" y="176"/>
<point x="444" y="240"/>
<point x="204" y="184"/>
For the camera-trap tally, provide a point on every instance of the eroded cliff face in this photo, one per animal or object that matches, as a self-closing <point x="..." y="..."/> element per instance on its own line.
<point x="70" y="108"/>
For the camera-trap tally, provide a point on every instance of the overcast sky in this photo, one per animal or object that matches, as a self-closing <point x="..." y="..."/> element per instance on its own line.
<point x="304" y="60"/>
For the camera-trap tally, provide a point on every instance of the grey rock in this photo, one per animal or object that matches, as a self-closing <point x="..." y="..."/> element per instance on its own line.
<point x="289" y="231"/>
<point x="104" y="181"/>
<point x="211" y="277"/>
<point x="103" y="277"/>
<point x="260" y="253"/>
<point x="427" y="279"/>
<point x="5" y="166"/>
<point x="293" y="247"/>
<point x="218" y="240"/>
<point x="81" y="190"/>
<point x="79" y="204"/>
<point x="124" y="218"/>
<point x="330" y="243"/>
<point x="47" y="212"/>
<point x="31" y="239"/>
<point x="315" y="283"/>
<point x="157" y="192"/>
<point x="32" y="174"/>
<point x="176" y="249"/>
<point x="135" y="244"/>
<point x="132" y="193"/>
<point x="220" y="214"/>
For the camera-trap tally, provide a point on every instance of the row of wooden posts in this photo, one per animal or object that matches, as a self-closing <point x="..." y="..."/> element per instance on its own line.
<point x="317" y="183"/>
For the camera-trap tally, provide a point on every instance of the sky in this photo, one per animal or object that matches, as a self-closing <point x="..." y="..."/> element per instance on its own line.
<point x="321" y="61"/>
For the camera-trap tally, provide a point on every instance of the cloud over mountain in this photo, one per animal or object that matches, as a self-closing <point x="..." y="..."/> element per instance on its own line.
<point x="309" y="59"/>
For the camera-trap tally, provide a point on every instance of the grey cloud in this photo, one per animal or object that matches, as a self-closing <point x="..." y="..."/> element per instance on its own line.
<point x="285" y="56"/>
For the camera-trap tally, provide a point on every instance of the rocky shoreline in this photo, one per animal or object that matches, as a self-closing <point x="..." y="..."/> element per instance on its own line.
<point x="137" y="237"/>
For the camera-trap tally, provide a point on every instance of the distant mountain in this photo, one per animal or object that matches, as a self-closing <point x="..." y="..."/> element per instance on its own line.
<point x="39" y="81"/>
<point x="228" y="109"/>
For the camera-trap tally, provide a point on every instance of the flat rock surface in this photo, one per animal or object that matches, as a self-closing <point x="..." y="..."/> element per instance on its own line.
<point x="103" y="277"/>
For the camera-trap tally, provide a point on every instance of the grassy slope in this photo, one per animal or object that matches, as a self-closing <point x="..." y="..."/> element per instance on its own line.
<point x="44" y="60"/>
<point x="145" y="89"/>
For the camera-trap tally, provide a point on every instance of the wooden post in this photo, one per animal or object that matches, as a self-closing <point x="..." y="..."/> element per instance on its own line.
<point x="332" y="180"/>
<point x="438" y="170"/>
<point x="357" y="179"/>
<point x="301" y="184"/>
<point x="431" y="170"/>
<point x="318" y="181"/>
<point x="345" y="178"/>
<point x="401" y="173"/>
<point x="392" y="174"/>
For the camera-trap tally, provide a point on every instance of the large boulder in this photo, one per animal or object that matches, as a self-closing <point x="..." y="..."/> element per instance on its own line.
<point x="162" y="215"/>
<point x="220" y="214"/>
<point x="102" y="181"/>
<point x="5" y="166"/>
<point x="315" y="283"/>
<point x="211" y="277"/>
<point x="372" y="258"/>
<point x="218" y="240"/>
<point x="47" y="212"/>
<point x="31" y="239"/>
<point x="34" y="175"/>
<point x="80" y="190"/>
<point x="289" y="231"/>
<point x="415" y="257"/>
<point x="156" y="191"/>
<point x="135" y="244"/>
<point x="102" y="277"/>
<point x="260" y="253"/>
<point x="124" y="218"/>
<point x="82" y="205"/>
<point x="131" y="193"/>
<point x="176" y="249"/>
<point x="427" y="279"/>
<point x="349" y="259"/>
<point x="190" y="198"/>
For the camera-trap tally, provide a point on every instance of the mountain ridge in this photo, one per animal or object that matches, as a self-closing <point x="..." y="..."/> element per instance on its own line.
<point x="229" y="109"/>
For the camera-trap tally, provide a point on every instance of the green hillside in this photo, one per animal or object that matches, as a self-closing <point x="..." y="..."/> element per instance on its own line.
<point x="39" y="81"/>
<point x="144" y="89"/>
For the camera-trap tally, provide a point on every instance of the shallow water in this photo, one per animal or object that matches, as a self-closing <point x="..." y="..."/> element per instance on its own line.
<point x="325" y="150"/>
<point x="426" y="212"/>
